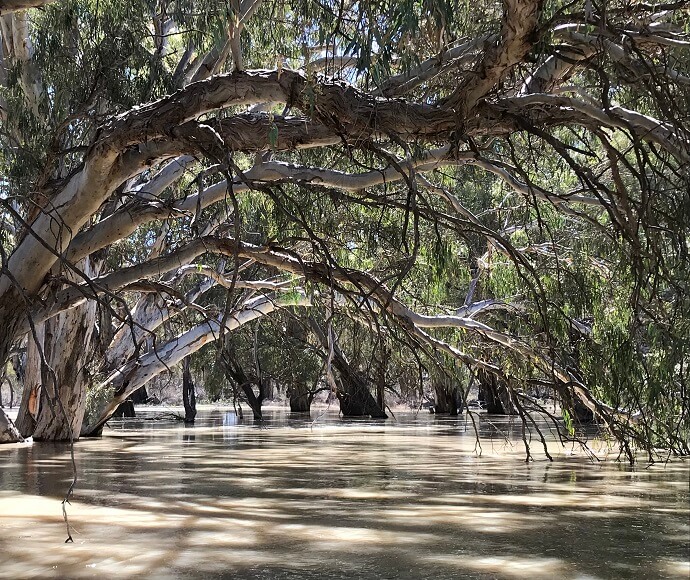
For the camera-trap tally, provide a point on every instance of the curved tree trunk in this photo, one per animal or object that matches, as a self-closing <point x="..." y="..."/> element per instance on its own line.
<point x="353" y="394"/>
<point x="236" y="374"/>
<point x="7" y="6"/>
<point x="137" y="373"/>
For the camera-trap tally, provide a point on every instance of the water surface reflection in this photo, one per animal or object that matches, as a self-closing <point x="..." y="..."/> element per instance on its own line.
<point x="336" y="499"/>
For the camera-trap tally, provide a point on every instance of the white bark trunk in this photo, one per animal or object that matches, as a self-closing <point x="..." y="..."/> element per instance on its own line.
<point x="137" y="373"/>
<point x="149" y="314"/>
<point x="8" y="432"/>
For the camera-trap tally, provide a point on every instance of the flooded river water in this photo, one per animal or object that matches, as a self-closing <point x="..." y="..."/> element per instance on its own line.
<point x="326" y="499"/>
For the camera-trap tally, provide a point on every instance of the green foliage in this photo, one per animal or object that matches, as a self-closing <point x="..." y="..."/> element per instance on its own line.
<point x="598" y="287"/>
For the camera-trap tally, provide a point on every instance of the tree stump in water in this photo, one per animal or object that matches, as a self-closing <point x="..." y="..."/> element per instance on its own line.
<point x="300" y="401"/>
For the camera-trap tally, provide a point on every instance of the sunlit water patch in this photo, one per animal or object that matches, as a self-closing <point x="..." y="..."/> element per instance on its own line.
<point x="298" y="498"/>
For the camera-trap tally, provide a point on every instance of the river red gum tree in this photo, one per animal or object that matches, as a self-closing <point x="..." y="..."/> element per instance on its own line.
<point x="551" y="79"/>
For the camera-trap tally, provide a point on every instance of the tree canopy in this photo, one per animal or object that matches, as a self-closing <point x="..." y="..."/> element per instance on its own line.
<point x="495" y="190"/>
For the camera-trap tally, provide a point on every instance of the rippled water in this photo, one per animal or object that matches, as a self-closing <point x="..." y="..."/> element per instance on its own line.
<point x="409" y="498"/>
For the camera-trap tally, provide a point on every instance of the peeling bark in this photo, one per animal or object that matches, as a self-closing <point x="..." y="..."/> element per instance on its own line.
<point x="8" y="6"/>
<point x="54" y="412"/>
<point x="518" y="35"/>
<point x="8" y="431"/>
<point x="54" y="401"/>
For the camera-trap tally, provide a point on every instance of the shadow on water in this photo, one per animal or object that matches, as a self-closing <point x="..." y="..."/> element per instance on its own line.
<point x="294" y="498"/>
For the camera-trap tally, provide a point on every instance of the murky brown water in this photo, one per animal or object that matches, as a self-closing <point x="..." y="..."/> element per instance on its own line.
<point x="405" y="499"/>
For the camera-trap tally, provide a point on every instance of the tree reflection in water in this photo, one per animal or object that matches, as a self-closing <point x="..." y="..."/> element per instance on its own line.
<point x="334" y="499"/>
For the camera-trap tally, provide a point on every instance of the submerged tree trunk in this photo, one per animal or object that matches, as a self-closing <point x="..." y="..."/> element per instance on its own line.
<point x="300" y="399"/>
<point x="446" y="395"/>
<point x="236" y="374"/>
<point x="298" y="391"/>
<point x="495" y="395"/>
<point x="140" y="396"/>
<point x="125" y="410"/>
<point x="356" y="400"/>
<point x="355" y="397"/>
<point x="188" y="392"/>
<point x="353" y="394"/>
<point x="253" y="400"/>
